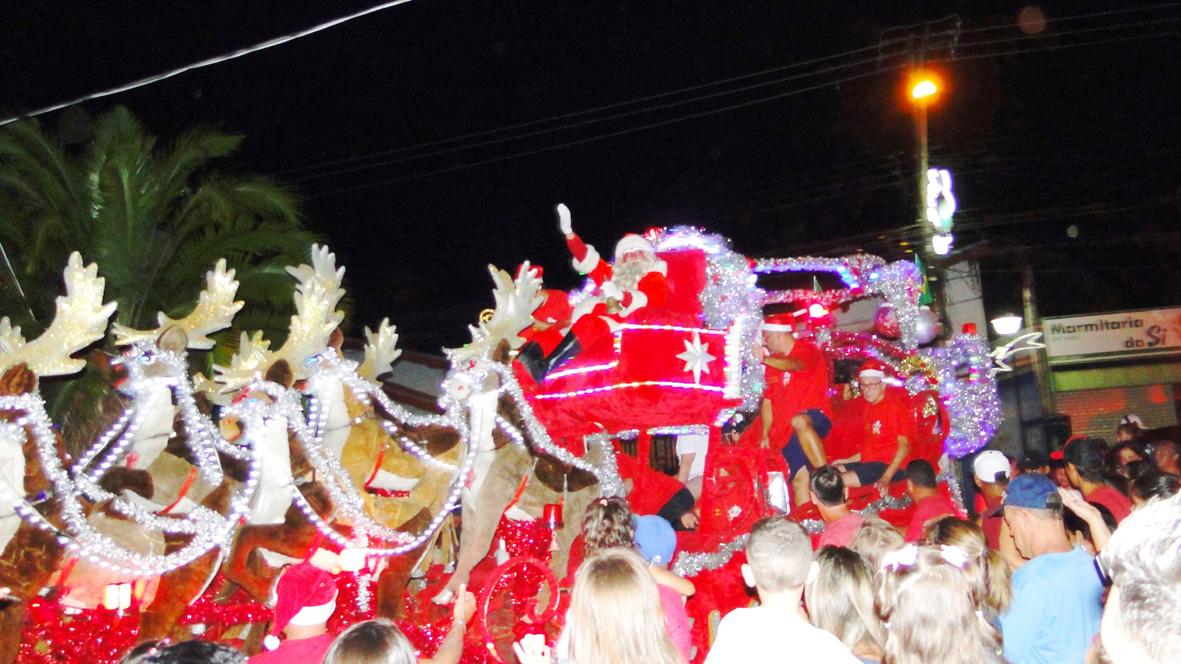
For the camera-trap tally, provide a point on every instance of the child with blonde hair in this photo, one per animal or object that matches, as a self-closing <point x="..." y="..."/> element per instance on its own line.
<point x="840" y="598"/>
<point x="986" y="570"/>
<point x="614" y="616"/>
<point x="927" y="602"/>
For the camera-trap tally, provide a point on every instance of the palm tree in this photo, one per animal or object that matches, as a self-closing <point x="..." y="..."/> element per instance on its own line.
<point x="153" y="217"/>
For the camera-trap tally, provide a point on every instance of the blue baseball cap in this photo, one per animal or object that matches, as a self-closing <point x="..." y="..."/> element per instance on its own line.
<point x="1032" y="491"/>
<point x="655" y="539"/>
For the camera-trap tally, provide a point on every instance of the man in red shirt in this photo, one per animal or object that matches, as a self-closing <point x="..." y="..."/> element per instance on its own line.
<point x="881" y="420"/>
<point x="794" y="413"/>
<point x="991" y="471"/>
<point x="1085" y="459"/>
<point x="928" y="502"/>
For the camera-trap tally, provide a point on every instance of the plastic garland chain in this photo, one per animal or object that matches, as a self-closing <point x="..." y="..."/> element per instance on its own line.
<point x="81" y="539"/>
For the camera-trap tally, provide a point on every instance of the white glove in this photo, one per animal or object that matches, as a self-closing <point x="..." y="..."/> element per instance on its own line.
<point x="564" y="220"/>
<point x="611" y="291"/>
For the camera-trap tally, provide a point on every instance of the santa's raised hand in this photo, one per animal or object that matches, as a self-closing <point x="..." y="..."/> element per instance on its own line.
<point x="564" y="224"/>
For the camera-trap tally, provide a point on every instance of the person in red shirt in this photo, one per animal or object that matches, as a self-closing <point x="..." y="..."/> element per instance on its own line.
<point x="928" y="502"/>
<point x="882" y="420"/>
<point x="650" y="491"/>
<point x="795" y="412"/>
<point x="991" y="471"/>
<point x="1085" y="461"/>
<point x="832" y="501"/>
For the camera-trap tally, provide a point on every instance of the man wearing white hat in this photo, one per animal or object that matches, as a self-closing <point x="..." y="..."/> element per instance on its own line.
<point x="991" y="472"/>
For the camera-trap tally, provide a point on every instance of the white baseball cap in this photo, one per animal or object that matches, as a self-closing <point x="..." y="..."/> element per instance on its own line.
<point x="989" y="464"/>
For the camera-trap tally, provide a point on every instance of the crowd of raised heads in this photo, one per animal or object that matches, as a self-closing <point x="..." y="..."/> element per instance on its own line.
<point x="1072" y="558"/>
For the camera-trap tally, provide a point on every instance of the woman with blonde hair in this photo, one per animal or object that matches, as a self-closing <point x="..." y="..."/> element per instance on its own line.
<point x="840" y="598"/>
<point x="926" y="600"/>
<point x="614" y="616"/>
<point x="371" y="642"/>
<point x="986" y="570"/>
<point x="874" y="539"/>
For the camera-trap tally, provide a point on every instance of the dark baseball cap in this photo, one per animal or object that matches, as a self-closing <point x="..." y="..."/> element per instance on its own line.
<point x="1032" y="491"/>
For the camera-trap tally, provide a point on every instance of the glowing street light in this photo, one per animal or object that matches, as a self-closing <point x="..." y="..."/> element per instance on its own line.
<point x="924" y="89"/>
<point x="924" y="86"/>
<point x="1007" y="324"/>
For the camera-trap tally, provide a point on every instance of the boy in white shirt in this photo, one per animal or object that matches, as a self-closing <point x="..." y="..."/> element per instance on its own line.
<point x="779" y="555"/>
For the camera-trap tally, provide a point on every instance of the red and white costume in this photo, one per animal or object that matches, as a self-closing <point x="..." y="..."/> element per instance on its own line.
<point x="631" y="291"/>
<point x="650" y="290"/>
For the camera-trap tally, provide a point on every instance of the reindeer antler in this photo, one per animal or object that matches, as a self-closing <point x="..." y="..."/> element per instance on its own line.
<point x="215" y="311"/>
<point x="515" y="301"/>
<point x="316" y="297"/>
<point x="380" y="351"/>
<point x="80" y="320"/>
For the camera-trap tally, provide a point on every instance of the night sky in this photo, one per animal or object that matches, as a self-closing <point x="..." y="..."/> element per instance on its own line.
<point x="791" y="136"/>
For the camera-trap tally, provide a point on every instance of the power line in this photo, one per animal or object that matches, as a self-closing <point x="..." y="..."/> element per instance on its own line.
<point x="457" y="143"/>
<point x="461" y="166"/>
<point x="583" y="123"/>
<point x="204" y="63"/>
<point x="591" y="139"/>
<point x="1078" y="17"/>
<point x="572" y="114"/>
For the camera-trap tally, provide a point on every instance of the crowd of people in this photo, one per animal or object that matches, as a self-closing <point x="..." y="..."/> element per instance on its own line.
<point x="872" y="596"/>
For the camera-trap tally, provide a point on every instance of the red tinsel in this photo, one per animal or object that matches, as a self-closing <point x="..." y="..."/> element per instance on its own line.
<point x="94" y="636"/>
<point x="219" y="615"/>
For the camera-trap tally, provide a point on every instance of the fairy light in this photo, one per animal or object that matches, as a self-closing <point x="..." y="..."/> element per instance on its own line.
<point x="581" y="370"/>
<point x="631" y="385"/>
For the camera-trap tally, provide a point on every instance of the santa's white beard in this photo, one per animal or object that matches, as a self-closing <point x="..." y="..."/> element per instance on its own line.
<point x="627" y="274"/>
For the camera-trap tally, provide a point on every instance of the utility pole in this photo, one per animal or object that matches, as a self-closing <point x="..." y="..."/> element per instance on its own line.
<point x="1041" y="373"/>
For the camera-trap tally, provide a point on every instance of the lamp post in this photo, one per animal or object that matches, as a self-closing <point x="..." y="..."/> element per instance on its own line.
<point x="923" y="88"/>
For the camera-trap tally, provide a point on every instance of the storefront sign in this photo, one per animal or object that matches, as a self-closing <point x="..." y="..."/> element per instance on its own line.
<point x="1113" y="336"/>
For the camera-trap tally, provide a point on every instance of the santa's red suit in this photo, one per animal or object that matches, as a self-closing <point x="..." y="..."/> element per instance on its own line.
<point x="595" y="317"/>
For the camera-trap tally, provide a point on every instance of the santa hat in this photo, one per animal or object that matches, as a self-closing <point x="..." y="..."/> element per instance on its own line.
<point x="555" y="308"/>
<point x="632" y="242"/>
<point x="872" y="368"/>
<point x="305" y="596"/>
<point x="779" y="323"/>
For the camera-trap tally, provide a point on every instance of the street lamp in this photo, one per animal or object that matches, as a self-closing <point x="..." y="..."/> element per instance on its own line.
<point x="1007" y="324"/>
<point x="923" y="88"/>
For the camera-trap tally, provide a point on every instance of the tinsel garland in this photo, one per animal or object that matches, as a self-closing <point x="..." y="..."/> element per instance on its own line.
<point x="610" y="483"/>
<point x="81" y="539"/>
<point x="53" y="634"/>
<point x="898" y="283"/>
<point x="210" y="617"/>
<point x="960" y="372"/>
<point x="691" y="563"/>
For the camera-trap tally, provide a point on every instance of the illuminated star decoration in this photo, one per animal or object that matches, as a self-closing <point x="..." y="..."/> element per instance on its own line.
<point x="696" y="357"/>
<point x="1028" y="341"/>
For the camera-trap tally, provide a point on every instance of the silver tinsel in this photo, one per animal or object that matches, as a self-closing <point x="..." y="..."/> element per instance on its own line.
<point x="690" y="564"/>
<point x="730" y="297"/>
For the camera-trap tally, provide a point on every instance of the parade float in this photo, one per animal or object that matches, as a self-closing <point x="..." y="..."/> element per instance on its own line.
<point x="176" y="520"/>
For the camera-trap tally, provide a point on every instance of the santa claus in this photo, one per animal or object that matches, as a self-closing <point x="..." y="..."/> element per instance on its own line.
<point x="636" y="280"/>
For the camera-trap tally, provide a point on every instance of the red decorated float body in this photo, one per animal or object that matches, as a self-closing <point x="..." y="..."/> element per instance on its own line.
<point x="640" y="375"/>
